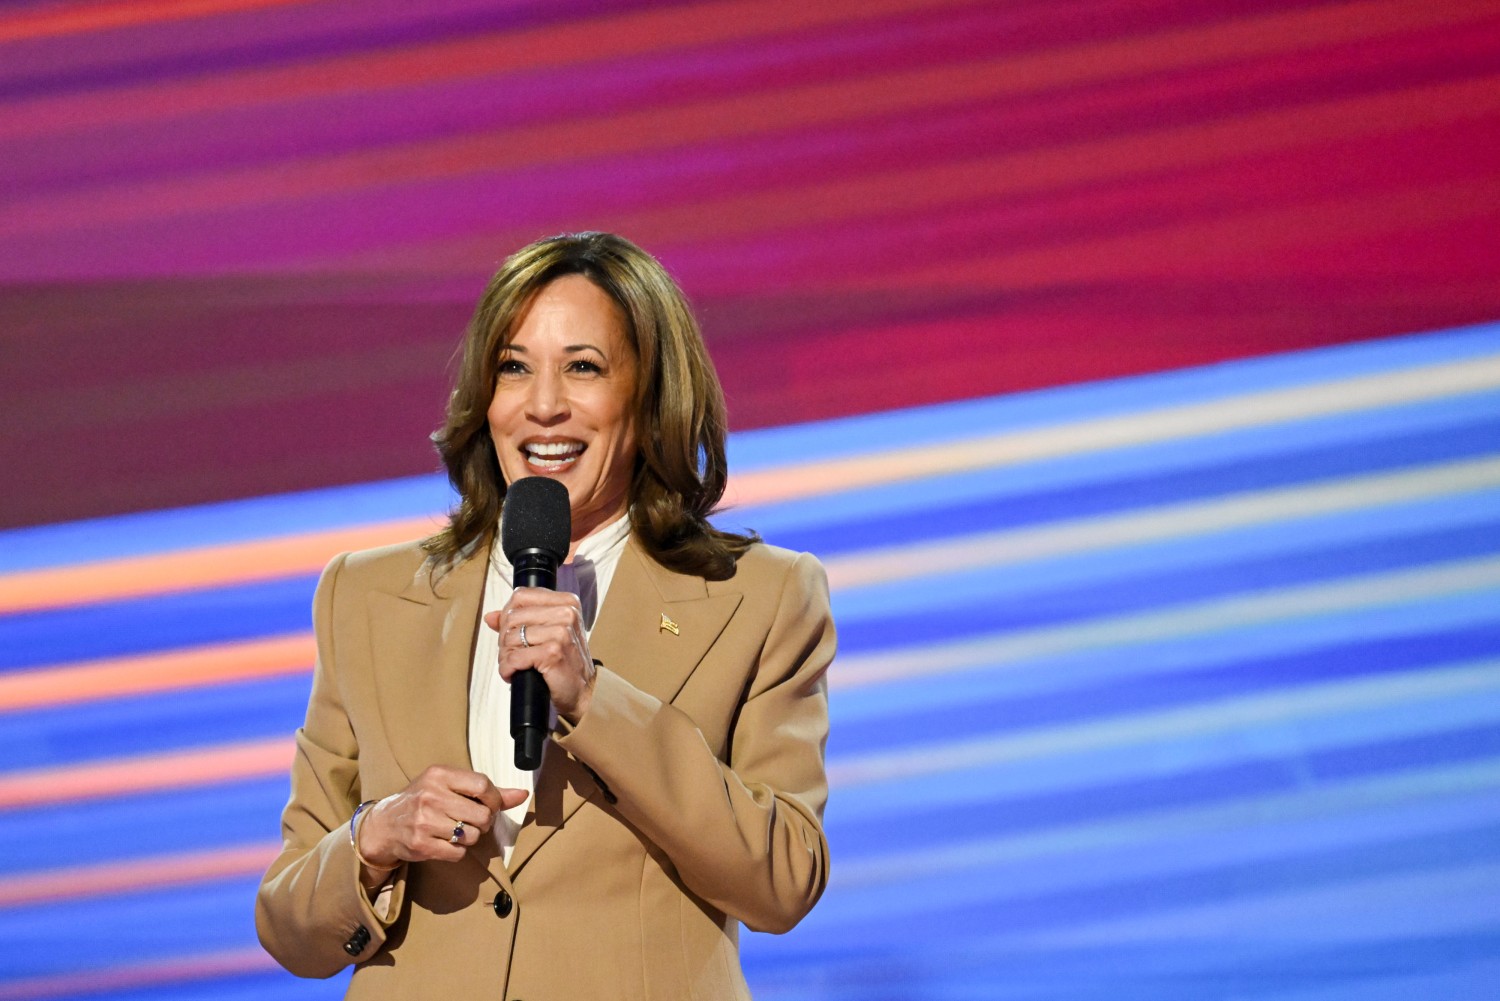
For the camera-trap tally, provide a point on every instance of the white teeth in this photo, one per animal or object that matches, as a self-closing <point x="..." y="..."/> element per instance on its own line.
<point x="552" y="455"/>
<point x="553" y="448"/>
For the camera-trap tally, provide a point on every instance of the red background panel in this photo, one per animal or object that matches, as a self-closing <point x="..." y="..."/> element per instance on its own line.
<point x="240" y="239"/>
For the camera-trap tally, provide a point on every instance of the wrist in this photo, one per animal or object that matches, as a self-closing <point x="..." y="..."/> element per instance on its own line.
<point x="585" y="696"/>
<point x="357" y="824"/>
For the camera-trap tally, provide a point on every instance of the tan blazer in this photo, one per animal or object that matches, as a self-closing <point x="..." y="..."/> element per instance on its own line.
<point x="688" y="799"/>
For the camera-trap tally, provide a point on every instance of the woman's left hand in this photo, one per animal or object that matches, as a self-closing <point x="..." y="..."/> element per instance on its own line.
<point x="555" y="645"/>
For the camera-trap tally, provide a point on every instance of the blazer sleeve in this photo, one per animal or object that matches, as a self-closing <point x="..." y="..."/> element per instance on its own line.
<point x="745" y="835"/>
<point x="312" y="913"/>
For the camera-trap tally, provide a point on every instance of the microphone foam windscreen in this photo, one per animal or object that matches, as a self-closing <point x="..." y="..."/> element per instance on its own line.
<point x="536" y="516"/>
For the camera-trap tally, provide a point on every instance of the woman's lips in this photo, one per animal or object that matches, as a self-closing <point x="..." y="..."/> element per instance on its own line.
<point x="552" y="456"/>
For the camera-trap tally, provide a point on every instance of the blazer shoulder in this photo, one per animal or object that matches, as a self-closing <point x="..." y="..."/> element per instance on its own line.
<point x="764" y="564"/>
<point x="387" y="568"/>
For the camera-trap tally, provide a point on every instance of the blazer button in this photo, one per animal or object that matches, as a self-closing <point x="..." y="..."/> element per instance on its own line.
<point x="357" y="941"/>
<point x="503" y="904"/>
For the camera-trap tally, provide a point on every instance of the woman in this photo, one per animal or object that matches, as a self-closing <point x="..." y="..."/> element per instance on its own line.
<point x="683" y="787"/>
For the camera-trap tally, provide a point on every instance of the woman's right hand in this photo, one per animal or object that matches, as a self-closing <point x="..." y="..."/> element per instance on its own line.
<point x="417" y="824"/>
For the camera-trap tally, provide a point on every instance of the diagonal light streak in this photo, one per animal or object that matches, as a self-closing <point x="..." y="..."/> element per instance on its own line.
<point x="1009" y="547"/>
<point x="1051" y="844"/>
<point x="1479" y="679"/>
<point x="1364" y="592"/>
<point x="1117" y="431"/>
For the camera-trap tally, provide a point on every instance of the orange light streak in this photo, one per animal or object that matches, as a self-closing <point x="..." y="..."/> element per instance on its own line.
<point x="100" y="879"/>
<point x="197" y="667"/>
<point x="226" y="963"/>
<point x="191" y="569"/>
<point x="147" y="773"/>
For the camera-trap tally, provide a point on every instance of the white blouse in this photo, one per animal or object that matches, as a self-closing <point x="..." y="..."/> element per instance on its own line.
<point x="491" y="748"/>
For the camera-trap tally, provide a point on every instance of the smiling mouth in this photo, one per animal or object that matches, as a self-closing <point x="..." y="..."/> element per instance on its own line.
<point x="552" y="456"/>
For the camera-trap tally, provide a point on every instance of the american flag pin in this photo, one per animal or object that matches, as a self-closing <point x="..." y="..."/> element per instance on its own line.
<point x="669" y="625"/>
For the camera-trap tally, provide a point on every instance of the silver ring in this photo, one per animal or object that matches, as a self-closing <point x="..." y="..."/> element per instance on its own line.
<point x="523" y="637"/>
<point x="458" y="833"/>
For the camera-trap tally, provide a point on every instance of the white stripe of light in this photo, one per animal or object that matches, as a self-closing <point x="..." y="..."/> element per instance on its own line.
<point x="1057" y="847"/>
<point x="1114" y="764"/>
<point x="1160" y="523"/>
<point x="1472" y="679"/>
<point x="1457" y="899"/>
<point x="1116" y="431"/>
<point x="1238" y="611"/>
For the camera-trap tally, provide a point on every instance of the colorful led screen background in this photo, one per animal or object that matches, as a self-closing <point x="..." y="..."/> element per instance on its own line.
<point x="1131" y="366"/>
<point x="257" y="227"/>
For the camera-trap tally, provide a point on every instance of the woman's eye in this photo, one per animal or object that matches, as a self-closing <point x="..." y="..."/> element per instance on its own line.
<point x="510" y="366"/>
<point x="585" y="366"/>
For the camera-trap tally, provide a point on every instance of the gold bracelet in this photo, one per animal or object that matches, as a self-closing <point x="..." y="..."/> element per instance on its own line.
<point x="354" y="840"/>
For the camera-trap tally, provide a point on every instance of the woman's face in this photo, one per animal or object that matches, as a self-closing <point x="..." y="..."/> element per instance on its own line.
<point x="564" y="400"/>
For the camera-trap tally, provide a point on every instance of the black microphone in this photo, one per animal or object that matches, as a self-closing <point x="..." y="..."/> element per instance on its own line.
<point x="535" y="525"/>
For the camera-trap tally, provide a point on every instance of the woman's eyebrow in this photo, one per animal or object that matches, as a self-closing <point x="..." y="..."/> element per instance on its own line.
<point x="569" y="349"/>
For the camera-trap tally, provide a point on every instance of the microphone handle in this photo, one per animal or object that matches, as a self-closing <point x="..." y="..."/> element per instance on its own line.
<point x="530" y="700"/>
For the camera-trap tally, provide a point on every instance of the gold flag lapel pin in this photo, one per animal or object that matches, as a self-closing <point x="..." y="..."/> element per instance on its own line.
<point x="669" y="625"/>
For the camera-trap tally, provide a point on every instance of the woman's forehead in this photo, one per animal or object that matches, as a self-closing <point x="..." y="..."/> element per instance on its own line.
<point x="571" y="312"/>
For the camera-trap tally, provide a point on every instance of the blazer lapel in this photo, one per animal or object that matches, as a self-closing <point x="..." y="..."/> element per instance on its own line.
<point x="422" y="643"/>
<point x="632" y="639"/>
<point x="656" y="625"/>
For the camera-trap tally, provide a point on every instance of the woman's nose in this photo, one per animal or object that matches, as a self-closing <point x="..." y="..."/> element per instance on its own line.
<point x="548" y="401"/>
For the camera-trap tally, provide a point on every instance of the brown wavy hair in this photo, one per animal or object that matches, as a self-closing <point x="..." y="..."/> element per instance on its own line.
<point x="680" y="471"/>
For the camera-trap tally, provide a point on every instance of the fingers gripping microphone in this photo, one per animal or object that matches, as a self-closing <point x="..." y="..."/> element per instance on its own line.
<point x="535" y="525"/>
